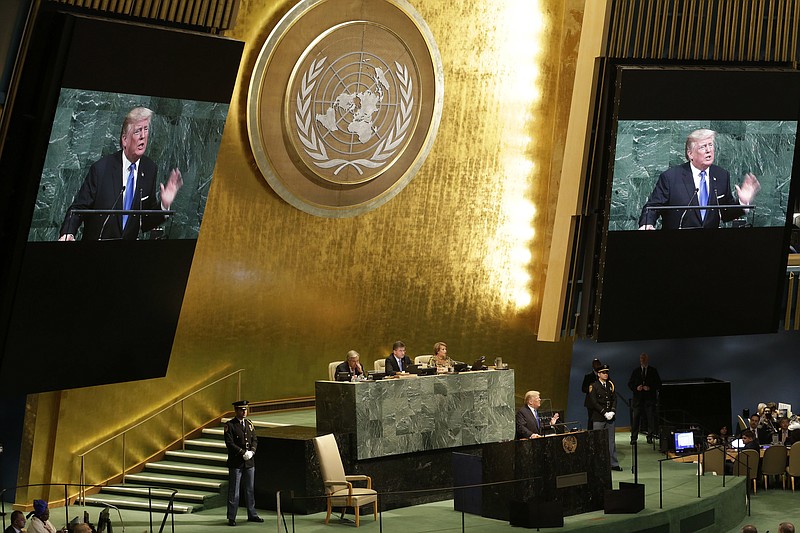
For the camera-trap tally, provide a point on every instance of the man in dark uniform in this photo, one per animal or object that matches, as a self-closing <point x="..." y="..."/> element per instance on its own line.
<point x="603" y="401"/>
<point x="588" y="379"/>
<point x="241" y="441"/>
<point x="644" y="383"/>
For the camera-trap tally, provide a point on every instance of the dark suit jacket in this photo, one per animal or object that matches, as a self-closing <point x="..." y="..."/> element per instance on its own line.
<point x="102" y="189"/>
<point x="10" y="529"/>
<point x="675" y="186"/>
<point x="651" y="379"/>
<point x="344" y="367"/>
<point x="527" y="425"/>
<point x="601" y="400"/>
<point x="239" y="438"/>
<point x="391" y="364"/>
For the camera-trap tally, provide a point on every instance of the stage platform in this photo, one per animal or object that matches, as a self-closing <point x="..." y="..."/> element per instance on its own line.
<point x="676" y="508"/>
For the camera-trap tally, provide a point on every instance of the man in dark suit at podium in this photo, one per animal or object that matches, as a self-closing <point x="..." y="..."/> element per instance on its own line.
<point x="123" y="180"/>
<point x="241" y="442"/>
<point x="397" y="361"/>
<point x="528" y="423"/>
<point x="644" y="383"/>
<point x="697" y="182"/>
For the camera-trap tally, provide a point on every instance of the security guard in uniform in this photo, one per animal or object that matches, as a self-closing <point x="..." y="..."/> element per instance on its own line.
<point x="602" y="400"/>
<point x="241" y="441"/>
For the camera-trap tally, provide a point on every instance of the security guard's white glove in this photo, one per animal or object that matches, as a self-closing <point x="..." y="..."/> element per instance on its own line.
<point x="249" y="455"/>
<point x="609" y="415"/>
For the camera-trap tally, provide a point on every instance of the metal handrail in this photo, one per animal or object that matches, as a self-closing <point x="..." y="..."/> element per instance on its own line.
<point x="123" y="433"/>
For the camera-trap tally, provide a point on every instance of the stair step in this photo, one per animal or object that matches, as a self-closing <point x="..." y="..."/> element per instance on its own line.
<point x="139" y="503"/>
<point x="216" y="444"/>
<point x="141" y="491"/>
<point x="176" y="481"/>
<point x="188" y="468"/>
<point x="198" y="456"/>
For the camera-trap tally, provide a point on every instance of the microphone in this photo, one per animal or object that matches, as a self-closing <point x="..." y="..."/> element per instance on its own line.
<point x="114" y="206"/>
<point x="694" y="195"/>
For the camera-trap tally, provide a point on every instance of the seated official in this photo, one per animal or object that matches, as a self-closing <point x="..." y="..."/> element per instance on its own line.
<point x="17" y="522"/>
<point x="397" y="361"/>
<point x="784" y="434"/>
<point x="351" y="365"/>
<point x="528" y="423"/>
<point x="440" y="358"/>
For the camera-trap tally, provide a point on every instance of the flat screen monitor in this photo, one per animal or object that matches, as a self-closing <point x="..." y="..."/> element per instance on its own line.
<point x="684" y="442"/>
<point x="109" y="307"/>
<point x="681" y="279"/>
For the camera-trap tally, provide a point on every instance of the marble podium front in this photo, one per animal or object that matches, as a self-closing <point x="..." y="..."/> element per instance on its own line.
<point x="417" y="414"/>
<point x="572" y="468"/>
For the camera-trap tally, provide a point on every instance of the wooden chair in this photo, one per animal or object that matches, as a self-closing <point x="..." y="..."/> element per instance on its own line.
<point x="332" y="370"/>
<point x="793" y="470"/>
<point x="423" y="360"/>
<point x="714" y="460"/>
<point x="746" y="464"/>
<point x="338" y="486"/>
<point x="774" y="464"/>
<point x="742" y="423"/>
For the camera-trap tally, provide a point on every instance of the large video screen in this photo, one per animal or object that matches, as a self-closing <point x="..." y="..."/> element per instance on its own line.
<point x="708" y="263"/>
<point x="105" y="308"/>
<point x="183" y="134"/>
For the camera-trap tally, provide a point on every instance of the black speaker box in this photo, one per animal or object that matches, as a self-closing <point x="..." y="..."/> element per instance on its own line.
<point x="536" y="514"/>
<point x="628" y="499"/>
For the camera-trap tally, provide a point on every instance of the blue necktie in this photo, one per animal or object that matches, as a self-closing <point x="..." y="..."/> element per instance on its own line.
<point x="129" y="190"/>
<point x="703" y="194"/>
<point x="536" y="416"/>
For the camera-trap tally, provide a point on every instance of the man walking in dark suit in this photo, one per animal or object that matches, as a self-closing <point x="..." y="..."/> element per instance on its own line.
<point x="644" y="383"/>
<point x="697" y="182"/>
<point x="397" y="361"/>
<point x="123" y="180"/>
<point x="241" y="442"/>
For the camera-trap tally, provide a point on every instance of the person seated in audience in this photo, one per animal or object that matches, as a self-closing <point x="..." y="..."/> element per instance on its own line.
<point x="397" y="361"/>
<point x="749" y="440"/>
<point x="40" y="523"/>
<point x="81" y="528"/>
<point x="724" y="436"/>
<point x="785" y="527"/>
<point x="766" y="427"/>
<point x="351" y="365"/>
<point x="752" y="424"/>
<point x="749" y="528"/>
<point x="440" y="358"/>
<point x="784" y="435"/>
<point x="17" y="522"/>
<point x="712" y="440"/>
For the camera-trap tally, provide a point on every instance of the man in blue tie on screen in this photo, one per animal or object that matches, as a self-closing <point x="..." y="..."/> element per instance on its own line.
<point x="124" y="180"/>
<point x="698" y="182"/>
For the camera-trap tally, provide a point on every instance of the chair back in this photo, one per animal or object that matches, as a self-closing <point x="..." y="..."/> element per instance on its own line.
<point x="794" y="459"/>
<point x="330" y="463"/>
<point x="714" y="460"/>
<point x="423" y="359"/>
<point x="774" y="462"/>
<point x="746" y="464"/>
<point x="332" y="369"/>
<point x="742" y="423"/>
<point x="380" y="365"/>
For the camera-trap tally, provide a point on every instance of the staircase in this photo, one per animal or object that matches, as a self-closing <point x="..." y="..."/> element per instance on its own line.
<point x="198" y="473"/>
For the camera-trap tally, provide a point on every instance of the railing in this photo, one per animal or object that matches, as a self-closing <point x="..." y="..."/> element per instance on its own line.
<point x="167" y="513"/>
<point x="123" y="434"/>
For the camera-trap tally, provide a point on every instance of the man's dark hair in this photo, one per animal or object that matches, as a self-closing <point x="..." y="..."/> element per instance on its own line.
<point x="398" y="344"/>
<point x="749" y="434"/>
<point x="596" y="364"/>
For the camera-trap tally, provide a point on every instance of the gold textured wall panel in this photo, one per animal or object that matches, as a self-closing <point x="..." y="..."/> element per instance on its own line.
<point x="458" y="256"/>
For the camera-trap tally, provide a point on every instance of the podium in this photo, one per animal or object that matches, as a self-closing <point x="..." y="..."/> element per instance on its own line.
<point x="115" y="215"/>
<point x="570" y="471"/>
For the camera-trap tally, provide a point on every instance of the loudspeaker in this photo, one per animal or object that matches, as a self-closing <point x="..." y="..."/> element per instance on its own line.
<point x="535" y="514"/>
<point x="628" y="499"/>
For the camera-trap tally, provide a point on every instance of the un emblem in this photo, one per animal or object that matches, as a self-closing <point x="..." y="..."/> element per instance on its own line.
<point x="359" y="109"/>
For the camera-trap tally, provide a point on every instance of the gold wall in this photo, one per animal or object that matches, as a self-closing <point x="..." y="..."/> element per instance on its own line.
<point x="458" y="256"/>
